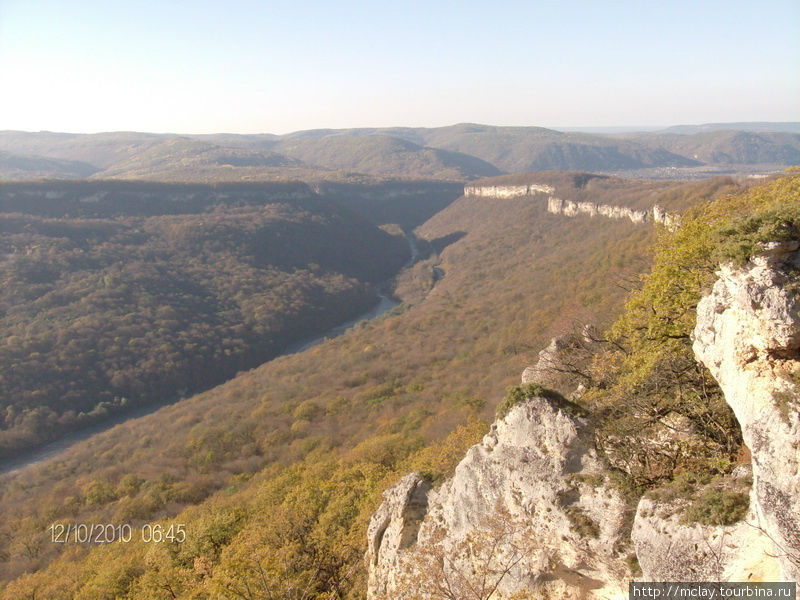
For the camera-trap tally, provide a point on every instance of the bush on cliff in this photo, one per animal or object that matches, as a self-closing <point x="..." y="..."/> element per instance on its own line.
<point x="659" y="410"/>
<point x="520" y="393"/>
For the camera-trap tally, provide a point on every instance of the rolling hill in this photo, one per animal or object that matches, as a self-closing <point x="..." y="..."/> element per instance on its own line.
<point x="756" y="126"/>
<point x="17" y="166"/>
<point x="524" y="149"/>
<point x="187" y="160"/>
<point x="730" y="146"/>
<point x="385" y="155"/>
<point x="100" y="150"/>
<point x="460" y="152"/>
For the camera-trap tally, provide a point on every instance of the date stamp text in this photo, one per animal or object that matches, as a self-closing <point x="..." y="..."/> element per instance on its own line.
<point x="107" y="533"/>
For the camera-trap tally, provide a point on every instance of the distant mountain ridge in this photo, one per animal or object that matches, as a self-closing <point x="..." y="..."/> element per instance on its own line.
<point x="461" y="152"/>
<point x="16" y="166"/>
<point x="726" y="146"/>
<point x="759" y="126"/>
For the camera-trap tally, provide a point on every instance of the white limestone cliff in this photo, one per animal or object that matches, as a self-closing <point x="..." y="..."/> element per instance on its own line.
<point x="748" y="335"/>
<point x="506" y="191"/>
<point x="393" y="528"/>
<point x="530" y="507"/>
<point x="570" y="208"/>
<point x="564" y="365"/>
<point x="526" y="508"/>
<point x="656" y="214"/>
<point x="668" y="549"/>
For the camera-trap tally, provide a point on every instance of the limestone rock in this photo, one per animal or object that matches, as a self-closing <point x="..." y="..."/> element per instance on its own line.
<point x="668" y="220"/>
<point x="564" y="364"/>
<point x="748" y="335"/>
<point x="530" y="508"/>
<point x="669" y="550"/>
<point x="506" y="191"/>
<point x="570" y="208"/>
<point x="533" y="492"/>
<point x="392" y="528"/>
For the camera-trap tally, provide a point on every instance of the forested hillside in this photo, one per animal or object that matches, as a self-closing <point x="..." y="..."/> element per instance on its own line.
<point x="730" y="146"/>
<point x="384" y="155"/>
<point x="461" y="152"/>
<point x="107" y="303"/>
<point x="295" y="452"/>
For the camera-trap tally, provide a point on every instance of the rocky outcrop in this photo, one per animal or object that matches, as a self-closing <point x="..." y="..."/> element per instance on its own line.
<point x="656" y="214"/>
<point x="570" y="208"/>
<point x="393" y="528"/>
<point x="564" y="365"/>
<point x="528" y="507"/>
<point x="506" y="191"/>
<point x="748" y="335"/>
<point x="669" y="220"/>
<point x="669" y="549"/>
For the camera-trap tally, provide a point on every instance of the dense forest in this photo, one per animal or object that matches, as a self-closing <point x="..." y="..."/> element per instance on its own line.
<point x="108" y="303"/>
<point x="275" y="473"/>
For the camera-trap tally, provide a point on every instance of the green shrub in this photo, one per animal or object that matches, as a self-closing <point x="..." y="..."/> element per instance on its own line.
<point x="520" y="393"/>
<point x="649" y="373"/>
<point x="582" y="523"/>
<point x="744" y="236"/>
<point x="633" y="564"/>
<point x="683" y="487"/>
<point x="590" y="479"/>
<point x="99" y="492"/>
<point x="718" y="507"/>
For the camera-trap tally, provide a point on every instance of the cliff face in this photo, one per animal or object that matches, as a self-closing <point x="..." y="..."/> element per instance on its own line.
<point x="564" y="364"/>
<point x="530" y="506"/>
<point x="748" y="335"/>
<point x="527" y="507"/>
<point x="506" y="191"/>
<point x="668" y="549"/>
<point x="570" y="208"/>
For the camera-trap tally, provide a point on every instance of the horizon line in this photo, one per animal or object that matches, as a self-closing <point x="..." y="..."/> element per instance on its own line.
<point x="618" y="127"/>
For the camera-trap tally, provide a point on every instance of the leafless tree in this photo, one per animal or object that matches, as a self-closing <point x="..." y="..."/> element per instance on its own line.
<point x="472" y="568"/>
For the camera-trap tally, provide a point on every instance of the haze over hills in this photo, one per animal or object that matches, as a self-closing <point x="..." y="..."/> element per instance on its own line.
<point x="727" y="146"/>
<point x="524" y="149"/>
<point x="458" y="153"/>
<point x="16" y="166"/>
<point x="757" y="126"/>
<point x="386" y="155"/>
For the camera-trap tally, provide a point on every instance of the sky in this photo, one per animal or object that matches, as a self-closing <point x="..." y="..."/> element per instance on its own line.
<point x="247" y="66"/>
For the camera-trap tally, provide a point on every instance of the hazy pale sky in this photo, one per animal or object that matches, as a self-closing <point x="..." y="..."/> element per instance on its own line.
<point x="247" y="66"/>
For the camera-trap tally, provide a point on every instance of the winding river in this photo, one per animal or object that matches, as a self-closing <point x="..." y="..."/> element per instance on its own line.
<point x="35" y="456"/>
